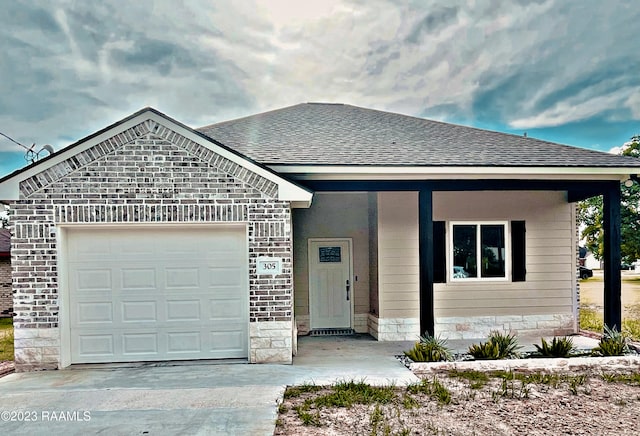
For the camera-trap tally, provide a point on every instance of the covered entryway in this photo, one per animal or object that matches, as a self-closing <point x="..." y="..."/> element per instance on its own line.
<point x="157" y="293"/>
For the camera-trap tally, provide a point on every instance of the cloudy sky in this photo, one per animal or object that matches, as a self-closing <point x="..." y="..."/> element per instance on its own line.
<point x="561" y="70"/>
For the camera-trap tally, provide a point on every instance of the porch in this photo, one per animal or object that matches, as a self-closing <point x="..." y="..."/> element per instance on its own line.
<point x="403" y="276"/>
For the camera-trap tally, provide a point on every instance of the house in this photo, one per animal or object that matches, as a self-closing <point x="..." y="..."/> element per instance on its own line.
<point x="6" y="295"/>
<point x="587" y="259"/>
<point x="150" y="240"/>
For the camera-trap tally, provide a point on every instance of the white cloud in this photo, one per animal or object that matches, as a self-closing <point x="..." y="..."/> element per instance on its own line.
<point x="70" y="68"/>
<point x="572" y="109"/>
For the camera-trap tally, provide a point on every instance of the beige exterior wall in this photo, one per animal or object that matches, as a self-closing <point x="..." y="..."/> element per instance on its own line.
<point x="388" y="265"/>
<point x="547" y="298"/>
<point x="332" y="215"/>
<point x="398" y="262"/>
<point x="546" y="301"/>
<point x="373" y="253"/>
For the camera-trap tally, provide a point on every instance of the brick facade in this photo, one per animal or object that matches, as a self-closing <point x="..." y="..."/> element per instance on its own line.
<point x="146" y="174"/>
<point x="6" y="293"/>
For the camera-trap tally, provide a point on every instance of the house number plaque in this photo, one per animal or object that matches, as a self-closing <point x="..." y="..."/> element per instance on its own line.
<point x="269" y="266"/>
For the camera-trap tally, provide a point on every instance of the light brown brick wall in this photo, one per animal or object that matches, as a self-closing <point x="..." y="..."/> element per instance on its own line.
<point x="6" y="293"/>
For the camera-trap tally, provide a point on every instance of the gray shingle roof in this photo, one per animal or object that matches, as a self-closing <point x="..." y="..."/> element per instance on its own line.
<point x="338" y="134"/>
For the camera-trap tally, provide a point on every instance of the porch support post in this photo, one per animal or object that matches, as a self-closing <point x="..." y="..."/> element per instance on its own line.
<point x="612" y="257"/>
<point x="425" y="236"/>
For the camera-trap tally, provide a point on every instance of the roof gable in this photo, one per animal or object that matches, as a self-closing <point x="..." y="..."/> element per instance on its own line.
<point x="339" y="135"/>
<point x="145" y="123"/>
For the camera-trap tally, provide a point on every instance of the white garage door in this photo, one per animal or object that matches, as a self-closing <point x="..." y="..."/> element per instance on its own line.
<point x="157" y="294"/>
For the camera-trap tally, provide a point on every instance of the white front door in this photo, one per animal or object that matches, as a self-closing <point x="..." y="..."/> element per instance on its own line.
<point x="330" y="287"/>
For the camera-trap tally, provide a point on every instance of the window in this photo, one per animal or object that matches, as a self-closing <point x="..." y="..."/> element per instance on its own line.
<point x="478" y="250"/>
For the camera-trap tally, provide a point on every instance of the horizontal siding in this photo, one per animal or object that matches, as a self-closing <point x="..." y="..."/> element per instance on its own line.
<point x="545" y="242"/>
<point x="483" y="294"/>
<point x="491" y="303"/>
<point x="495" y="311"/>
<point x="404" y="312"/>
<point x="550" y="255"/>
<point x="398" y="272"/>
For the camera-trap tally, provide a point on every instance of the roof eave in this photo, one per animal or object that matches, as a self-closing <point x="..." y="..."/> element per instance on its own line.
<point x="371" y="172"/>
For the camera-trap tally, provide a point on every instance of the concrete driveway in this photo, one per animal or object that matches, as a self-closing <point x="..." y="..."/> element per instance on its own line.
<point x="195" y="398"/>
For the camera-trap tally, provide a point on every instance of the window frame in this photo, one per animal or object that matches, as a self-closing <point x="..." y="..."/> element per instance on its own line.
<point x="479" y="224"/>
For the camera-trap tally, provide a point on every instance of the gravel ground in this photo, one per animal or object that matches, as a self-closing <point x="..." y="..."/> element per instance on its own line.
<point x="593" y="407"/>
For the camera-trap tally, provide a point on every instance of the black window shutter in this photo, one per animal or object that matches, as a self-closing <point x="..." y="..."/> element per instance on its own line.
<point x="439" y="252"/>
<point x="518" y="251"/>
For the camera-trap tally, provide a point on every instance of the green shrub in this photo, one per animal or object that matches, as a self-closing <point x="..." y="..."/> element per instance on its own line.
<point x="507" y="344"/>
<point x="485" y="350"/>
<point x="430" y="349"/>
<point x="558" y="347"/>
<point x="612" y="343"/>
<point x="499" y="346"/>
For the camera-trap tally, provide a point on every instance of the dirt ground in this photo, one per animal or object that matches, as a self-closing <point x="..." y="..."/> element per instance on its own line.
<point x="594" y="407"/>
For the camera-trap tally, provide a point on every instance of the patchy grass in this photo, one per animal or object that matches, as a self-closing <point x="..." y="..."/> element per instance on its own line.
<point x="6" y="324"/>
<point x="630" y="379"/>
<point x="592" y="302"/>
<point x="434" y="389"/>
<point x="6" y="346"/>
<point x="591" y="320"/>
<point x="6" y="339"/>
<point x="476" y="379"/>
<point x="357" y="407"/>
<point x="348" y="393"/>
<point x="296" y="391"/>
<point x="632" y="328"/>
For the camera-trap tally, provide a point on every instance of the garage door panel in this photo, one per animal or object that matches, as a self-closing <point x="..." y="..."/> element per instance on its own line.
<point x="225" y="276"/>
<point x="95" y="312"/>
<point x="229" y="308"/>
<point x="91" y="279"/>
<point x="137" y="246"/>
<point x="221" y="341"/>
<point x="137" y="278"/>
<point x="100" y="247"/>
<point x="95" y="345"/>
<point x="182" y="278"/>
<point x="183" y="342"/>
<point x="139" y="311"/>
<point x="157" y="294"/>
<point x="140" y="343"/>
<point x="183" y="310"/>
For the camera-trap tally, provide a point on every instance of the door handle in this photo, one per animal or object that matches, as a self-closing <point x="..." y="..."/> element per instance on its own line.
<point x="347" y="290"/>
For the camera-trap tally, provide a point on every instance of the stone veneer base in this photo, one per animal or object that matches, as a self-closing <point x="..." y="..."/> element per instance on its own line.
<point x="474" y="327"/>
<point x="394" y="329"/>
<point x="614" y="363"/>
<point x="36" y="349"/>
<point x="271" y="342"/>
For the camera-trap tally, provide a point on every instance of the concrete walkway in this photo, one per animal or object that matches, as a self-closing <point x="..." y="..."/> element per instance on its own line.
<point x="196" y="398"/>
